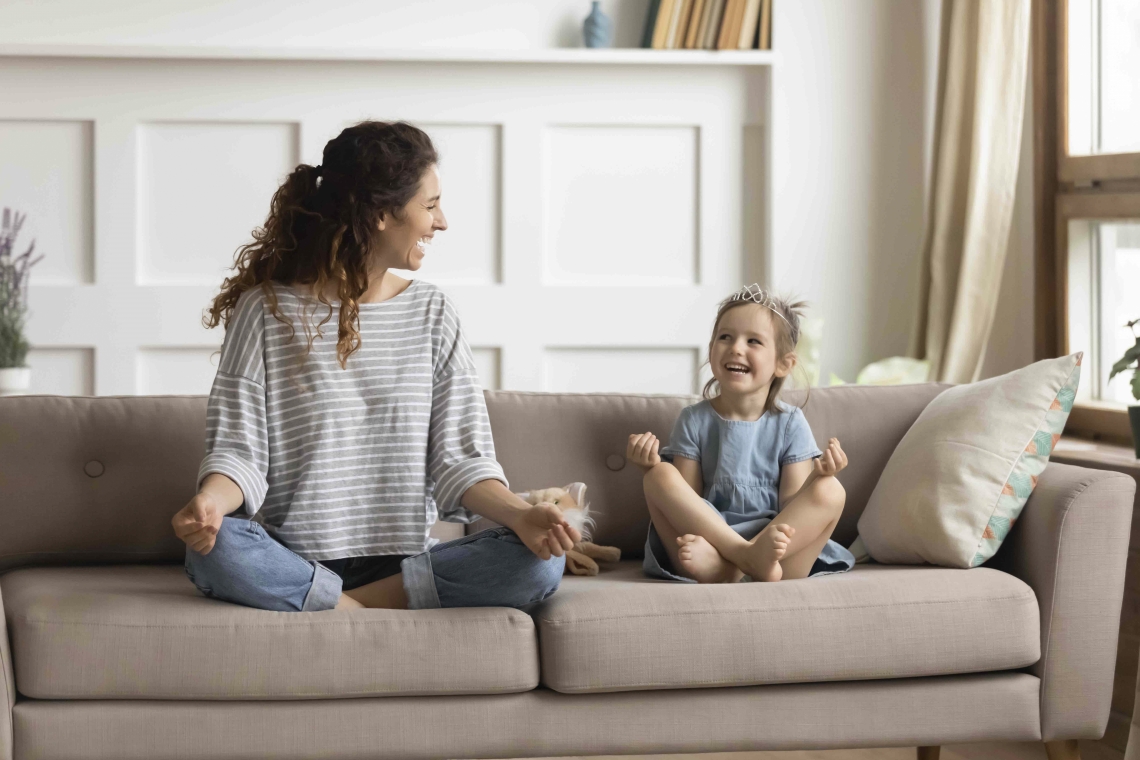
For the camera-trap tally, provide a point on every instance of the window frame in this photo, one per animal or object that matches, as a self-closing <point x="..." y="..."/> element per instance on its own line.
<point x="1103" y="187"/>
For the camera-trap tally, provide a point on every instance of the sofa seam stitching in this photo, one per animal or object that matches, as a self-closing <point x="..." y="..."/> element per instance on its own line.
<point x="355" y="624"/>
<point x="294" y="697"/>
<point x="729" y="684"/>
<point x="690" y="613"/>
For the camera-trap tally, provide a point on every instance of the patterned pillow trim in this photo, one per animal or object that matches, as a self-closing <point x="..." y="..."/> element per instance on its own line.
<point x="1023" y="478"/>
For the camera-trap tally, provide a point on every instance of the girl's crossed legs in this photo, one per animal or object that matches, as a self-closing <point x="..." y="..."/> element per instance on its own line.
<point x="704" y="547"/>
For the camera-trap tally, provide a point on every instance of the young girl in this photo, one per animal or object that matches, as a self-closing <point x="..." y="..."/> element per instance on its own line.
<point x="740" y="458"/>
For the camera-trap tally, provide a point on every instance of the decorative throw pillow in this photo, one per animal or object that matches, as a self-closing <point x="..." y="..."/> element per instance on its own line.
<point x="959" y="478"/>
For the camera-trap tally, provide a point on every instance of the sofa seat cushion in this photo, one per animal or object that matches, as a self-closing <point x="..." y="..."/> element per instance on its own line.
<point x="620" y="631"/>
<point x="128" y="632"/>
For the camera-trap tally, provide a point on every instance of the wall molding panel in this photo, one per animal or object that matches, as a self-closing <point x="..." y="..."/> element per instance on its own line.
<point x="202" y="186"/>
<point x="598" y="207"/>
<point x="49" y="166"/>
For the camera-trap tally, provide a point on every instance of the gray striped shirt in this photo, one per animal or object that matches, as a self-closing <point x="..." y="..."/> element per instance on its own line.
<point x="358" y="461"/>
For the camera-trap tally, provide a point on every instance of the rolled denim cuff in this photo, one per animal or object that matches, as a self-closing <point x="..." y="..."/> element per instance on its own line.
<point x="325" y="591"/>
<point x="419" y="582"/>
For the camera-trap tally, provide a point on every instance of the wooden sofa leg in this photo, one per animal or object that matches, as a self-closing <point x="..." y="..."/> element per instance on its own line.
<point x="929" y="753"/>
<point x="1063" y="749"/>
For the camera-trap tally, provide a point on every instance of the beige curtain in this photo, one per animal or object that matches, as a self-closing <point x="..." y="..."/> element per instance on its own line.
<point x="984" y="59"/>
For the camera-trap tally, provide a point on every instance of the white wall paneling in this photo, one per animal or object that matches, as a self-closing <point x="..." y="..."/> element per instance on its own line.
<point x="63" y="371"/>
<point x="46" y="173"/>
<point x="622" y="370"/>
<point x="176" y="370"/>
<point x="201" y="188"/>
<point x="487" y="361"/>
<point x="637" y="185"/>
<point x="596" y="199"/>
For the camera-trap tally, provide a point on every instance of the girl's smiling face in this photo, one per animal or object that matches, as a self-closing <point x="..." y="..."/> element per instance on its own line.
<point x="742" y="354"/>
<point x="404" y="240"/>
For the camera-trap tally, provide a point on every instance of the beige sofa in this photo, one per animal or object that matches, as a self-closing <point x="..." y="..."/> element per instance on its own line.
<point x="110" y="652"/>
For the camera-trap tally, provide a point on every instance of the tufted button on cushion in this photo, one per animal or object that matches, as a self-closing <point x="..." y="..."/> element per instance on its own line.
<point x="615" y="462"/>
<point x="93" y="468"/>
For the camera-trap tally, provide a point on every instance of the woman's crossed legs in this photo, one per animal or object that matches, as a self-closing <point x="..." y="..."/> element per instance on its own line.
<point x="492" y="568"/>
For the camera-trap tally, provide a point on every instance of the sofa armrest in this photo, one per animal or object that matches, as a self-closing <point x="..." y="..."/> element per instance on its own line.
<point x="1070" y="545"/>
<point x="7" y="688"/>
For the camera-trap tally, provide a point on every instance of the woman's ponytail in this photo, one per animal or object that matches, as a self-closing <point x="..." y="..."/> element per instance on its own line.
<point x="260" y="260"/>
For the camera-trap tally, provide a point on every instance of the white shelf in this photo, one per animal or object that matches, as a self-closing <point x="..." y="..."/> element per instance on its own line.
<point x="607" y="56"/>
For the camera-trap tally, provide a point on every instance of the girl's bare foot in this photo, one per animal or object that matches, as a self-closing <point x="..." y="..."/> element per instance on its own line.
<point x="702" y="562"/>
<point x="760" y="559"/>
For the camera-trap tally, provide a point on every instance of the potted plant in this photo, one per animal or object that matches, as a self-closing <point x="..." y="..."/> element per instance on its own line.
<point x="15" y="375"/>
<point x="1130" y="361"/>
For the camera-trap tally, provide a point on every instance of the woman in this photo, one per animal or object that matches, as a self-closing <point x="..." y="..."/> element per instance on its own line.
<point x="350" y="445"/>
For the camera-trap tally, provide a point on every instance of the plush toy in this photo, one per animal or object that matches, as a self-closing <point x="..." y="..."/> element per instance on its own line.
<point x="572" y="501"/>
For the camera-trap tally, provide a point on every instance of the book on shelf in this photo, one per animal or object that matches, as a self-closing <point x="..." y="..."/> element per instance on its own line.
<point x="650" y="22"/>
<point x="708" y="25"/>
<point x="694" y="24"/>
<point x="750" y="22"/>
<point x="678" y="23"/>
<point x="661" y="24"/>
<point x="712" y="26"/>
<point x="764" y="33"/>
<point x="730" y="24"/>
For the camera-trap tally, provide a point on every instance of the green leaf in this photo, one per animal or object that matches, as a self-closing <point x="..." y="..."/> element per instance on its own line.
<point x="1130" y="356"/>
<point x="1136" y="385"/>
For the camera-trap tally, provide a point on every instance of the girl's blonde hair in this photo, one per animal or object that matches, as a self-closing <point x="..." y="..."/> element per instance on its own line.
<point x="787" y="332"/>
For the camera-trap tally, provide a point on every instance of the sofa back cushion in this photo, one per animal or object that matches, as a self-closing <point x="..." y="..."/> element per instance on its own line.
<point x="551" y="439"/>
<point x="869" y="422"/>
<point x="87" y="479"/>
<point x="96" y="480"/>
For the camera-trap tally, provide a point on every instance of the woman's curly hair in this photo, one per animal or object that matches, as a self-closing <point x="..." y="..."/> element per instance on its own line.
<point x="323" y="224"/>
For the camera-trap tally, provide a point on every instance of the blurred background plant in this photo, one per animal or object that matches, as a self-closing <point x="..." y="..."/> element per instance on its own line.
<point x="1130" y="360"/>
<point x="14" y="271"/>
<point x="894" y="370"/>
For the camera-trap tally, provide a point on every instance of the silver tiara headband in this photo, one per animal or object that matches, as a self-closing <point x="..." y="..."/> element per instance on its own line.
<point x="756" y="294"/>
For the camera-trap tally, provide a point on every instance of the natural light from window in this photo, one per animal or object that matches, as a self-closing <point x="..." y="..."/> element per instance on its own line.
<point x="1104" y="76"/>
<point x="1104" y="295"/>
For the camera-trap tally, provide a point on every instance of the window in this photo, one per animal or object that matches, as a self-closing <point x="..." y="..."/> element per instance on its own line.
<point x="1104" y="295"/>
<point x="1086" y="55"/>
<point x="1103" y="76"/>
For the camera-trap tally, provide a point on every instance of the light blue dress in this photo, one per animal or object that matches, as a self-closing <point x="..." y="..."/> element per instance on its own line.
<point x="740" y="469"/>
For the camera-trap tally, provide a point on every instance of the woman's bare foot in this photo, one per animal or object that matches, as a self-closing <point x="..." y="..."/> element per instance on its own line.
<point x="702" y="562"/>
<point x="760" y="559"/>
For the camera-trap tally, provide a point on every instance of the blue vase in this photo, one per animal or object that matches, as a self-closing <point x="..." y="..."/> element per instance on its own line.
<point x="597" y="29"/>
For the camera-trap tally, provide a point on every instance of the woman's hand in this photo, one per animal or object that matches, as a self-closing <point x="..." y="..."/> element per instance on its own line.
<point x="199" y="521"/>
<point x="832" y="461"/>
<point x="545" y="531"/>
<point x="642" y="450"/>
<point x="543" y="528"/>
